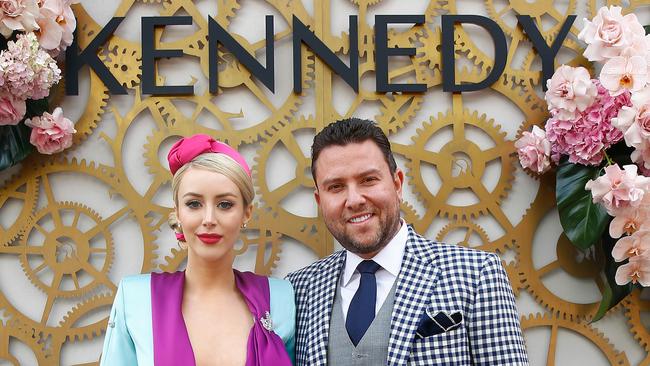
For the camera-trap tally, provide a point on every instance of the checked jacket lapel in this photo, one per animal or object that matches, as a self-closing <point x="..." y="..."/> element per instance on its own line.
<point x="415" y="285"/>
<point x="321" y="296"/>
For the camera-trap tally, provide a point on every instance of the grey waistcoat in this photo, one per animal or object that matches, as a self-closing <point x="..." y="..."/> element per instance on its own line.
<point x="372" y="350"/>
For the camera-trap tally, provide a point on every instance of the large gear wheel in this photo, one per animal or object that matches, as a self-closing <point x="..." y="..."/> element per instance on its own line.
<point x="537" y="10"/>
<point x="568" y="260"/>
<point x="24" y="191"/>
<point x="87" y="28"/>
<point x="66" y="250"/>
<point x="233" y="77"/>
<point x="474" y="236"/>
<point x="68" y="260"/>
<point x="308" y="230"/>
<point x="555" y="323"/>
<point x="264" y="240"/>
<point x="13" y="330"/>
<point x="460" y="163"/>
<point x="635" y="308"/>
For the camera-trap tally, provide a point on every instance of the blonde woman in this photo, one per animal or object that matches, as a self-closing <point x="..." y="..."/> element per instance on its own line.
<point x="209" y="314"/>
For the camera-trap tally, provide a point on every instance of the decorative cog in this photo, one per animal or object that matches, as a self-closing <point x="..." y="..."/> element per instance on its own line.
<point x="634" y="307"/>
<point x="568" y="259"/>
<point x="257" y="235"/>
<point x="25" y="190"/>
<point x="308" y="230"/>
<point x="14" y="330"/>
<point x="555" y="323"/>
<point x="98" y="96"/>
<point x="71" y="323"/>
<point x="467" y="229"/>
<point x="537" y="10"/>
<point x="234" y="77"/>
<point x="460" y="163"/>
<point x="593" y="6"/>
<point x="66" y="250"/>
<point x="67" y="262"/>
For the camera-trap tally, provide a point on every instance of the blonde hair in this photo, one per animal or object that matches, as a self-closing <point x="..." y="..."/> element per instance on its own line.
<point x="218" y="163"/>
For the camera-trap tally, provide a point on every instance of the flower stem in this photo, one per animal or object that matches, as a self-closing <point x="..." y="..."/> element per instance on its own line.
<point x="609" y="160"/>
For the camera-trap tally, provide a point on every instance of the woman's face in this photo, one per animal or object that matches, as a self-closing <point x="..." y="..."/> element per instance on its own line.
<point x="211" y="212"/>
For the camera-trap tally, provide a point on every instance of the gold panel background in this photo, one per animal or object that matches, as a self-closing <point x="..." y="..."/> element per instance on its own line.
<point x="66" y="248"/>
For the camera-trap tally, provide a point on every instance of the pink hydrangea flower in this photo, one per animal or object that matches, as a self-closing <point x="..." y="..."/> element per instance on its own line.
<point x="622" y="73"/>
<point x="12" y="110"/>
<point x="610" y="33"/>
<point x="618" y="189"/>
<point x="637" y="270"/>
<point x="534" y="150"/>
<point x="18" y="15"/>
<point x="28" y="71"/>
<point x="569" y="91"/>
<point x="57" y="24"/>
<point x="633" y="245"/>
<point x="51" y="133"/>
<point x="585" y="138"/>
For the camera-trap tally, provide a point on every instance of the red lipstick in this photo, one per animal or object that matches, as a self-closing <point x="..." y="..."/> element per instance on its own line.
<point x="209" y="238"/>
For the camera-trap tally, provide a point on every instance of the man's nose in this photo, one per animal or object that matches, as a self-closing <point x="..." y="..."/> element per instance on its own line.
<point x="355" y="198"/>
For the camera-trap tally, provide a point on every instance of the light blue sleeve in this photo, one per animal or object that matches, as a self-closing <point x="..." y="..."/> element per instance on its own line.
<point x="283" y="313"/>
<point x="119" y="348"/>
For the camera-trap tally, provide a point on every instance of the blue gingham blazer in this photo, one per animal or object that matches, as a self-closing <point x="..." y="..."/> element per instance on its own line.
<point x="435" y="277"/>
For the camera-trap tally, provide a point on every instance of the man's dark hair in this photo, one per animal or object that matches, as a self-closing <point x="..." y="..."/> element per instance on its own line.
<point x="347" y="131"/>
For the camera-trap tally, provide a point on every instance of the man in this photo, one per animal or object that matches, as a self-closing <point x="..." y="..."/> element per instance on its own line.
<point x="393" y="297"/>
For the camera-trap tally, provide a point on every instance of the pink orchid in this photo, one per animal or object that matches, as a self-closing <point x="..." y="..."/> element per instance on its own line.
<point x="51" y="133"/>
<point x="570" y="90"/>
<point x="57" y="24"/>
<point x="534" y="150"/>
<point x="634" y="120"/>
<point x="624" y="73"/>
<point x="618" y="189"/>
<point x="610" y="33"/>
<point x="636" y="244"/>
<point x="630" y="220"/>
<point x="637" y="270"/>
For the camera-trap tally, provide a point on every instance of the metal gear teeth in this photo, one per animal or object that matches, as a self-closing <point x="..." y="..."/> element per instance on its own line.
<point x="109" y="257"/>
<point x="88" y="332"/>
<point x="595" y="336"/>
<point x="31" y="200"/>
<point x="632" y="305"/>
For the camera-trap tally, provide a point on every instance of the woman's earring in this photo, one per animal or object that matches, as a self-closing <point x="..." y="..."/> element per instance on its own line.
<point x="243" y="226"/>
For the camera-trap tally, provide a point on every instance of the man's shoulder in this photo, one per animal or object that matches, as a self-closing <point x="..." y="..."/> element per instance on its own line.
<point x="452" y="253"/>
<point x="304" y="274"/>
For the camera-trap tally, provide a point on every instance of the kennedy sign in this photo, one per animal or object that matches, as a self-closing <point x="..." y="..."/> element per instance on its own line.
<point x="302" y="35"/>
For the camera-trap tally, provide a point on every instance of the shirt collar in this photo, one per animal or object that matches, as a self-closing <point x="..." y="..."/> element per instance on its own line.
<point x="389" y="258"/>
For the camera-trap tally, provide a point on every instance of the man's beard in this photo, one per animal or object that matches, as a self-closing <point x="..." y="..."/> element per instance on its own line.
<point x="387" y="230"/>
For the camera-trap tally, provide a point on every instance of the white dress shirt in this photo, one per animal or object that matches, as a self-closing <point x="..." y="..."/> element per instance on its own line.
<point x="390" y="260"/>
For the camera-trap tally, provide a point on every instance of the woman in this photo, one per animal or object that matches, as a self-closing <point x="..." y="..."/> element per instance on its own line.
<point x="209" y="314"/>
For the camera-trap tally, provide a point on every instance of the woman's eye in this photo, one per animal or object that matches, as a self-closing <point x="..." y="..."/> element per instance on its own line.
<point x="224" y="205"/>
<point x="193" y="204"/>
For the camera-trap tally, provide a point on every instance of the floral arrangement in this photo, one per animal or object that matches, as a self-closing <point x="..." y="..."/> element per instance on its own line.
<point x="34" y="34"/>
<point x="598" y="138"/>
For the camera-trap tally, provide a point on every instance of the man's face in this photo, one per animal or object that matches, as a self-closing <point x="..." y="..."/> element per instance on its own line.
<point x="358" y="197"/>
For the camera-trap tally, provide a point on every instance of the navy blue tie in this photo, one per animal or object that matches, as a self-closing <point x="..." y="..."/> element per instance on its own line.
<point x="362" y="307"/>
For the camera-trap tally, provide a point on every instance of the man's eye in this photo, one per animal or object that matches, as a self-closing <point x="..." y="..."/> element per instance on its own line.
<point x="334" y="187"/>
<point x="224" y="205"/>
<point x="193" y="204"/>
<point x="369" y="179"/>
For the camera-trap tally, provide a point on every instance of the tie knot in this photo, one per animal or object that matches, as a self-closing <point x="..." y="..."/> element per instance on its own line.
<point x="368" y="266"/>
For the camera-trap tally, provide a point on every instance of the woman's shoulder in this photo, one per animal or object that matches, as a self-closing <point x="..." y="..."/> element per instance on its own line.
<point x="280" y="287"/>
<point x="135" y="283"/>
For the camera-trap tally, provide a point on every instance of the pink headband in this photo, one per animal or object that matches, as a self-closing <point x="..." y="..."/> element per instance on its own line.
<point x="187" y="148"/>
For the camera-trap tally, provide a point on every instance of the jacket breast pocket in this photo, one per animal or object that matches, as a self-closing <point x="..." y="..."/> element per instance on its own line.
<point x="448" y="348"/>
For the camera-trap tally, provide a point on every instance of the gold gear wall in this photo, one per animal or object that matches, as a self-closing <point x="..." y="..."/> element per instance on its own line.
<point x="66" y="248"/>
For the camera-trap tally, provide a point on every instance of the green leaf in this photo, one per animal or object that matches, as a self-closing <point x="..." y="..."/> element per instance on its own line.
<point x="14" y="144"/>
<point x="583" y="221"/>
<point x="647" y="29"/>
<point x="613" y="293"/>
<point x="620" y="153"/>
<point x="36" y="108"/>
